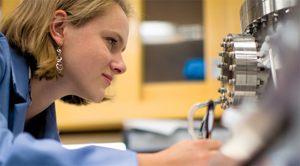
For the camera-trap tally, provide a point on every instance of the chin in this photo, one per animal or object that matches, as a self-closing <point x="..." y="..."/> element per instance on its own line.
<point x="71" y="99"/>
<point x="96" y="99"/>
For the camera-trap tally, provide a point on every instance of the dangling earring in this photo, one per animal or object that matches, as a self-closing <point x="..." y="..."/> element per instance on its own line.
<point x="59" y="63"/>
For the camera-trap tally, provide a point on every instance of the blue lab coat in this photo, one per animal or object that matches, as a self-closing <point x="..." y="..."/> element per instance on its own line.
<point x="21" y="148"/>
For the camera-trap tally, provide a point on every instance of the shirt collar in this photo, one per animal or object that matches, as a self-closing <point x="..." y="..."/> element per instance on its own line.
<point x="19" y="74"/>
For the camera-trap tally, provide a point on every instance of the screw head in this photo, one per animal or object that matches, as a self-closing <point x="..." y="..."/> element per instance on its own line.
<point x="231" y="94"/>
<point x="229" y="44"/>
<point x="222" y="90"/>
<point x="228" y="39"/>
<point x="248" y="31"/>
<point x="230" y="101"/>
<point x="222" y="53"/>
<point x="231" y="54"/>
<point x="259" y="82"/>
<point x="223" y="44"/>
<point x="221" y="65"/>
<point x="275" y="16"/>
<point x="221" y="99"/>
<point x="232" y="67"/>
<point x="222" y="78"/>
<point x="231" y="81"/>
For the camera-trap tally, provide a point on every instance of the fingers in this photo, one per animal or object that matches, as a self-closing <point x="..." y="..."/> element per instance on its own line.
<point x="220" y="159"/>
<point x="213" y="153"/>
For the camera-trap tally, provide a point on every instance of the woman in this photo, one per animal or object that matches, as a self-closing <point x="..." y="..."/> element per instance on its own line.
<point x="68" y="49"/>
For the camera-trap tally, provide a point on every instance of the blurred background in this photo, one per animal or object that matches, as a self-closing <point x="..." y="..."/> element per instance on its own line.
<point x="168" y="39"/>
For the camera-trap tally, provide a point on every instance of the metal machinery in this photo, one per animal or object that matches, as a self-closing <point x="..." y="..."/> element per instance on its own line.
<point x="246" y="68"/>
<point x="249" y="64"/>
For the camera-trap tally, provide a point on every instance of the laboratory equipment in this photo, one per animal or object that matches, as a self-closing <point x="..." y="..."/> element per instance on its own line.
<point x="250" y="62"/>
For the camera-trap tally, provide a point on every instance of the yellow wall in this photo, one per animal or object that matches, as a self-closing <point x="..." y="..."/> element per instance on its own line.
<point x="8" y="6"/>
<point x="134" y="99"/>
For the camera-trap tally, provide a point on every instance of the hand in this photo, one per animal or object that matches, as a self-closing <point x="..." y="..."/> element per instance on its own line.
<point x="184" y="153"/>
<point x="221" y="159"/>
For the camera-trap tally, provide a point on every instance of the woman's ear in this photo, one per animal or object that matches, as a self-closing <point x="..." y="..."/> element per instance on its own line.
<point x="57" y="26"/>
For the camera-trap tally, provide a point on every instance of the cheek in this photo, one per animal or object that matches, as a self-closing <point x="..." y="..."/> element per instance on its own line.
<point x="95" y="60"/>
<point x="86" y="54"/>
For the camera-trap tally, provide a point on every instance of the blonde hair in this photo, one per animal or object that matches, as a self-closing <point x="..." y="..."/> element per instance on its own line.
<point x="27" y="31"/>
<point x="27" y="28"/>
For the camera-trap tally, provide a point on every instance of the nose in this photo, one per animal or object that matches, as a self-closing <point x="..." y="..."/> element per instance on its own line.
<point x="118" y="65"/>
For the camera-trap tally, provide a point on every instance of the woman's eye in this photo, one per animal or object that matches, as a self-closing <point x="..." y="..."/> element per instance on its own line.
<point x="111" y="41"/>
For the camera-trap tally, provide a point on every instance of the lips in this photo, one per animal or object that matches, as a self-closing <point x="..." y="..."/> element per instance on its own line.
<point x="109" y="78"/>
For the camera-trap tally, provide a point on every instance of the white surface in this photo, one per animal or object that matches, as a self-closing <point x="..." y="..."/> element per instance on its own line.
<point x="115" y="145"/>
<point x="160" y="126"/>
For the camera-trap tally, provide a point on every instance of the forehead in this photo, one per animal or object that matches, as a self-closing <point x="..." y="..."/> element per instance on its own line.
<point x="113" y="19"/>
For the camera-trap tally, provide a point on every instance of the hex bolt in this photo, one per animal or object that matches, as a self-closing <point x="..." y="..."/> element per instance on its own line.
<point x="222" y="90"/>
<point x="222" y="78"/>
<point x="226" y="103"/>
<point x="275" y="16"/>
<point x="259" y="82"/>
<point x="223" y="44"/>
<point x="248" y="31"/>
<point x="222" y="53"/>
<point x="229" y="44"/>
<point x="230" y="101"/>
<point x="221" y="65"/>
<point x="231" y="81"/>
<point x="254" y="26"/>
<point x="231" y="54"/>
<point x="264" y="22"/>
<point x="231" y="94"/>
<point x="220" y="100"/>
<point x="224" y="39"/>
<point x="228" y="39"/>
<point x="232" y="67"/>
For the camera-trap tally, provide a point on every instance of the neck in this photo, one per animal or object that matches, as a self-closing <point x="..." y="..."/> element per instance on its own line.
<point x="44" y="93"/>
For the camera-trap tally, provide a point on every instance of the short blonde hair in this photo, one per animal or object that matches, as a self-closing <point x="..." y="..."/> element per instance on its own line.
<point x="27" y="31"/>
<point x="27" y="28"/>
